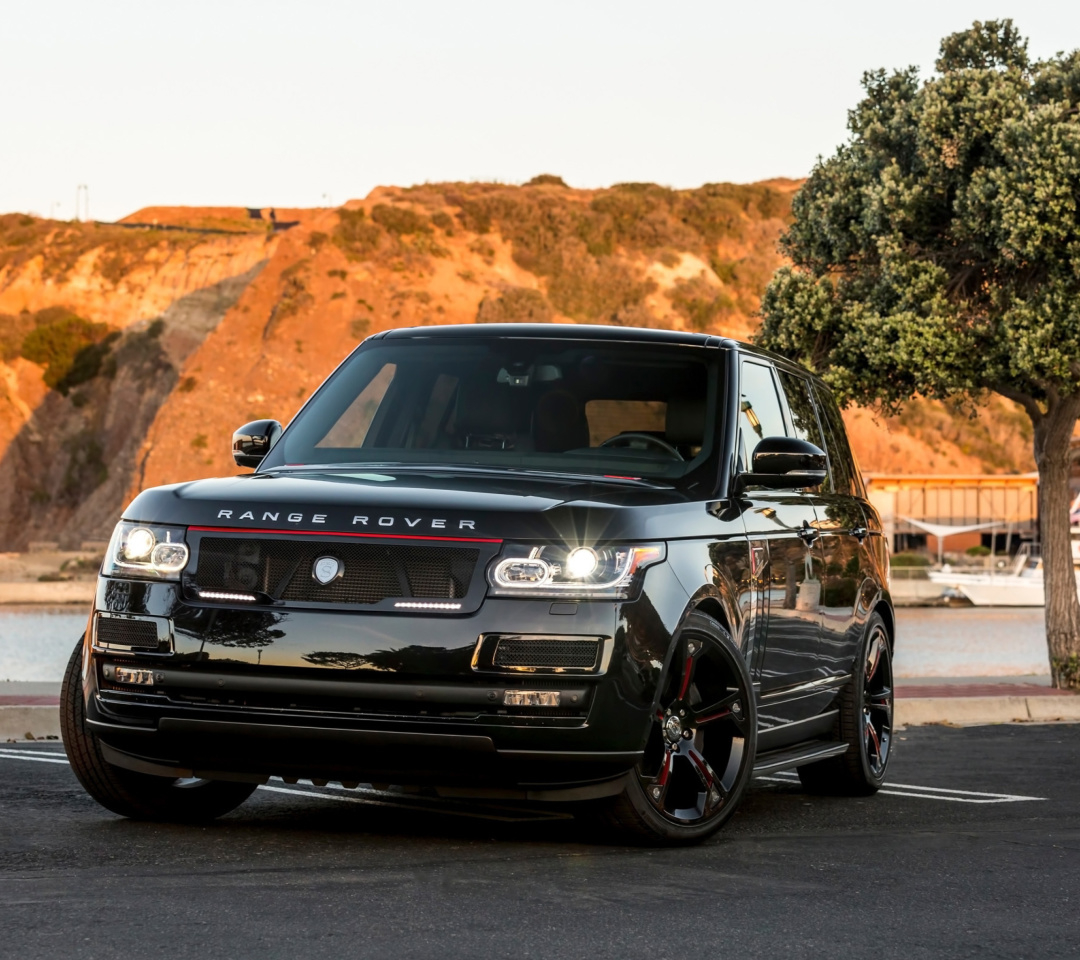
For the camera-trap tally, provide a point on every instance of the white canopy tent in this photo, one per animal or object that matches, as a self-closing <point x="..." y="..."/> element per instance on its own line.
<point x="943" y="530"/>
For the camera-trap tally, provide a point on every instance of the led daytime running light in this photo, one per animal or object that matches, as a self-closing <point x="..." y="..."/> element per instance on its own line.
<point x="223" y="595"/>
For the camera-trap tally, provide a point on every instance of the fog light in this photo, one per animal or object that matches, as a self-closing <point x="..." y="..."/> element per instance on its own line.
<point x="133" y="675"/>
<point x="531" y="698"/>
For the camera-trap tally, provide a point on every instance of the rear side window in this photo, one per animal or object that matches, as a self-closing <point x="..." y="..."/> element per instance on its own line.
<point x="760" y="412"/>
<point x="801" y="406"/>
<point x="846" y="475"/>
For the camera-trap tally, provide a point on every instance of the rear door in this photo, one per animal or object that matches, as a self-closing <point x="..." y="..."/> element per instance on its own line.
<point x="784" y="522"/>
<point x="839" y="521"/>
<point x="848" y="585"/>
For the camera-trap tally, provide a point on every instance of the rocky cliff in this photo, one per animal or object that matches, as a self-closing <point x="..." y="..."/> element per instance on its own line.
<point x="130" y="352"/>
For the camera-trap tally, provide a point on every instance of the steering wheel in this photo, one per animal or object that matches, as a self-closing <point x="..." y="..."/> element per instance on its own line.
<point x="620" y="440"/>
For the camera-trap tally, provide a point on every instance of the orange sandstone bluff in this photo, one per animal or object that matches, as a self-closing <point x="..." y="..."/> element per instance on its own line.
<point x="131" y="351"/>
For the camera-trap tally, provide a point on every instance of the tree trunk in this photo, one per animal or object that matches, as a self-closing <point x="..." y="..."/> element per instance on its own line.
<point x="1053" y="431"/>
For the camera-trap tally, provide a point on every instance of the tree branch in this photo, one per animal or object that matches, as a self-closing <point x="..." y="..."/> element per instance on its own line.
<point x="1025" y="400"/>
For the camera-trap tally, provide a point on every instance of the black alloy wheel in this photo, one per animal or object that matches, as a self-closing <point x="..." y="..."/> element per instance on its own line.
<point x="864" y="722"/>
<point x="878" y="703"/>
<point x="699" y="754"/>
<point x="130" y="794"/>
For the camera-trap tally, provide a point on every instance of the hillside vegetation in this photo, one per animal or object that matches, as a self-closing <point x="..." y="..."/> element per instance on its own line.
<point x="128" y="354"/>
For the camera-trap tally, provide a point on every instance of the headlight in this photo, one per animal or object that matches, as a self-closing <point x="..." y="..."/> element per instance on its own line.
<point x="146" y="550"/>
<point x="576" y="572"/>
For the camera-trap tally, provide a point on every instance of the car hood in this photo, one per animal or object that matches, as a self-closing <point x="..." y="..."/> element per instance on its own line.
<point x="430" y="505"/>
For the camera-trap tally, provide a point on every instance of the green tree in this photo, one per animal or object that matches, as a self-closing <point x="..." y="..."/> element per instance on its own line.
<point x="937" y="253"/>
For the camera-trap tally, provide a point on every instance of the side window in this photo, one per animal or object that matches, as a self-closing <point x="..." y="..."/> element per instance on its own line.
<point x="848" y="479"/>
<point x="801" y="406"/>
<point x="760" y="412"/>
<point x="804" y="419"/>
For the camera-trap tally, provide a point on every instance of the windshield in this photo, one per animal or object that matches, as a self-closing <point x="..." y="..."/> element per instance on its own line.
<point x="578" y="407"/>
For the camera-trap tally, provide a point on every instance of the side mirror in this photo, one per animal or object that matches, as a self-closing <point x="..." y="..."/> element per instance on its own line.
<point x="253" y="441"/>
<point x="785" y="463"/>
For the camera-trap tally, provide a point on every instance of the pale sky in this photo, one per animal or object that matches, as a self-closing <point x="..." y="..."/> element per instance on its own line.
<point x="273" y="103"/>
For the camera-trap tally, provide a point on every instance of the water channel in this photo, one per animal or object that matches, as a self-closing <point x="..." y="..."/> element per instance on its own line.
<point x="35" y="642"/>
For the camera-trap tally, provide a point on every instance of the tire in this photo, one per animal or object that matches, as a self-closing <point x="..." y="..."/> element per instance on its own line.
<point x="706" y="720"/>
<point x="864" y="723"/>
<point x="136" y="795"/>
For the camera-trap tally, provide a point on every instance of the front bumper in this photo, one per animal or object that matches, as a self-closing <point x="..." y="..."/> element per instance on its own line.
<point x="371" y="697"/>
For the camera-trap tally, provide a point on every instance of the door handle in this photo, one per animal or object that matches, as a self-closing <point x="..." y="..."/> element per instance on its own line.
<point x="859" y="533"/>
<point x="808" y="534"/>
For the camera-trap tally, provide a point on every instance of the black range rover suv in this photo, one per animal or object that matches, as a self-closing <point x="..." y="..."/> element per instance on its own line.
<point x="624" y="569"/>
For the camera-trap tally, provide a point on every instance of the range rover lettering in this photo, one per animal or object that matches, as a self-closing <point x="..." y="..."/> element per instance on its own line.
<point x="622" y="570"/>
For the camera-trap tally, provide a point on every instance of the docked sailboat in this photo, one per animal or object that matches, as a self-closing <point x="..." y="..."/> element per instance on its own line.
<point x="1019" y="586"/>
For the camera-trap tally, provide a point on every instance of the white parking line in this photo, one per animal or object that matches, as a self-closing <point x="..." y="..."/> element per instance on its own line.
<point x="373" y="798"/>
<point x="928" y="793"/>
<point x="890" y="789"/>
<point x="28" y="755"/>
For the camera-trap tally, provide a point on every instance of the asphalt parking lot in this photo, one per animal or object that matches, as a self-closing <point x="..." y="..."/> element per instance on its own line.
<point x="972" y="851"/>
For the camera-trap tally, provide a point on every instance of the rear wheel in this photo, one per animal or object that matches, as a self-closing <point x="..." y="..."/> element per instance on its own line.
<point x="864" y="723"/>
<point x="700" y="752"/>
<point x="130" y="794"/>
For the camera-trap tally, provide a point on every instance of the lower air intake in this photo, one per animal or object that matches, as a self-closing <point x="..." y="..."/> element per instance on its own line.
<point x="541" y="653"/>
<point x="121" y="632"/>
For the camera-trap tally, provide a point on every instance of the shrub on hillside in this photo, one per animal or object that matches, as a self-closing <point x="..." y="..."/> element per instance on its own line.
<point x="515" y="305"/>
<point x="62" y="245"/>
<point x="546" y="180"/>
<point x="356" y="236"/>
<point x="702" y="304"/>
<point x="400" y="221"/>
<point x="58" y="338"/>
<point x="13" y="331"/>
<point x="443" y="221"/>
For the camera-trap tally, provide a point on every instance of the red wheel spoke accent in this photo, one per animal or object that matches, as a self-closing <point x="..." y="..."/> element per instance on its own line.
<point x="701" y="765"/>
<point x="688" y="674"/>
<point x="881" y="699"/>
<point x="873" y="736"/>
<point x="715" y="711"/>
<point x="665" y="772"/>
<point x="873" y="658"/>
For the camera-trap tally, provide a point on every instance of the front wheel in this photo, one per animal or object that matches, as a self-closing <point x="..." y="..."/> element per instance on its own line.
<point x="699" y="755"/>
<point x="136" y="795"/>
<point x="864" y="723"/>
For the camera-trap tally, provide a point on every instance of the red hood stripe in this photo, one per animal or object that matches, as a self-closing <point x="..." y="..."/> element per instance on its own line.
<point x="331" y="533"/>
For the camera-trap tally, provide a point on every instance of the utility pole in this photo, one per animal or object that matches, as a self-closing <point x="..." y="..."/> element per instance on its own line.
<point x="82" y="198"/>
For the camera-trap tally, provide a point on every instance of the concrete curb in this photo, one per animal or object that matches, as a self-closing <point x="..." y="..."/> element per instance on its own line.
<point x="17" y="722"/>
<point x="914" y="711"/>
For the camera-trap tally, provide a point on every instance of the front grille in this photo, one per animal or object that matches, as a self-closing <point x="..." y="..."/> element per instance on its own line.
<point x="127" y="633"/>
<point x="514" y="652"/>
<point x="372" y="572"/>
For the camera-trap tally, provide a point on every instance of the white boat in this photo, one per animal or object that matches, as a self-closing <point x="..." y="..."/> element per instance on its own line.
<point x="1019" y="586"/>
